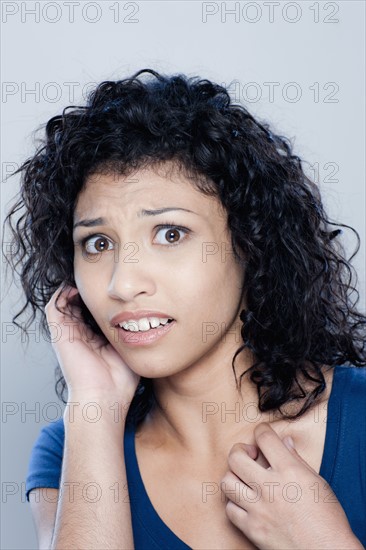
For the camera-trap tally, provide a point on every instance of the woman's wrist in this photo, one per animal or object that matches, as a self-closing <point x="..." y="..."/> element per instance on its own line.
<point x="95" y="408"/>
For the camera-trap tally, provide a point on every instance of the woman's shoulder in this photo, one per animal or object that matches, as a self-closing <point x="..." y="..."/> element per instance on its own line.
<point x="347" y="404"/>
<point x="348" y="369"/>
<point x="349" y="381"/>
<point x="54" y="432"/>
<point x="44" y="467"/>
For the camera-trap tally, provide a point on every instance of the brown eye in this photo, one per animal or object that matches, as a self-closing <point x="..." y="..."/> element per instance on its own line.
<point x="172" y="235"/>
<point x="95" y="245"/>
<point x="101" y="244"/>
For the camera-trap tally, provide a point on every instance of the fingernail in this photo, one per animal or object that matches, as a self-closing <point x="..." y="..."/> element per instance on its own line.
<point x="289" y="442"/>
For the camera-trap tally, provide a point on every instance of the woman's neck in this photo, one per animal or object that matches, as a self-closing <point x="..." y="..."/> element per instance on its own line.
<point x="200" y="409"/>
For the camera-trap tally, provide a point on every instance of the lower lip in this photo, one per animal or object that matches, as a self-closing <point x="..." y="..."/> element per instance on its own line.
<point x="143" y="338"/>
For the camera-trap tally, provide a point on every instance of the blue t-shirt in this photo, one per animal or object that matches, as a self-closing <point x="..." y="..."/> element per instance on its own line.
<point x="343" y="463"/>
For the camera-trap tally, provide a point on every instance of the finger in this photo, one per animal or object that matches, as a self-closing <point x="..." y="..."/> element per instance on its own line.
<point x="238" y="516"/>
<point x="59" y="295"/>
<point x="256" y="454"/>
<point x="242" y="464"/>
<point x="289" y="442"/>
<point x="252" y="450"/>
<point x="261" y="459"/>
<point x="68" y="295"/>
<point x="235" y="490"/>
<point x="272" y="447"/>
<point x="64" y="302"/>
<point x="64" y="316"/>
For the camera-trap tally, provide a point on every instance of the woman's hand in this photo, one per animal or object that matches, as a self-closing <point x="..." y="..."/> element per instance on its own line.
<point x="90" y="364"/>
<point x="278" y="501"/>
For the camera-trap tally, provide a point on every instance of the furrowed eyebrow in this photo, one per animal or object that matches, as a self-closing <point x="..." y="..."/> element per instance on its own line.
<point x="141" y="214"/>
<point x="90" y="223"/>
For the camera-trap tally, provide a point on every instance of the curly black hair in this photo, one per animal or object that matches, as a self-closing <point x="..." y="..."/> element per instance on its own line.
<point x="298" y="283"/>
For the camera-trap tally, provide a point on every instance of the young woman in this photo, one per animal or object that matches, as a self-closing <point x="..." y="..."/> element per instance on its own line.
<point x="198" y="302"/>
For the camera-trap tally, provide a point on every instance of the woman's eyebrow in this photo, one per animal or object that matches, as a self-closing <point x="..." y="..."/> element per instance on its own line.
<point x="142" y="213"/>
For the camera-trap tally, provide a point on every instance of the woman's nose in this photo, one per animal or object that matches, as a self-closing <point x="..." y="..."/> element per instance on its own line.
<point x="131" y="276"/>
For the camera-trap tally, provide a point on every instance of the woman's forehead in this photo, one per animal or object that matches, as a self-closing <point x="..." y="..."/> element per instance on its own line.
<point x="148" y="188"/>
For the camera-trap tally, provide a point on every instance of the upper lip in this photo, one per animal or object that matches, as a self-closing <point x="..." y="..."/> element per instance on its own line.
<point x="138" y="314"/>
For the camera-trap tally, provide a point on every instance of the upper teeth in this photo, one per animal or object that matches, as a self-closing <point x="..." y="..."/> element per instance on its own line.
<point x="143" y="324"/>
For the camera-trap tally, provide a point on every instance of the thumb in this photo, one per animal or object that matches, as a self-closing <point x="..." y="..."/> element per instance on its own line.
<point x="289" y="442"/>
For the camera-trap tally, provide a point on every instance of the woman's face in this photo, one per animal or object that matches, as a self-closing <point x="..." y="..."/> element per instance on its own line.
<point x="129" y="263"/>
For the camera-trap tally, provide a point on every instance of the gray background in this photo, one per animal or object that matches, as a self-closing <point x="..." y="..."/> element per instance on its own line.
<point x="311" y="52"/>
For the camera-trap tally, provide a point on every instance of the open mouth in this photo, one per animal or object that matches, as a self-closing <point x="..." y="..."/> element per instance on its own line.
<point x="145" y="337"/>
<point x="151" y="328"/>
